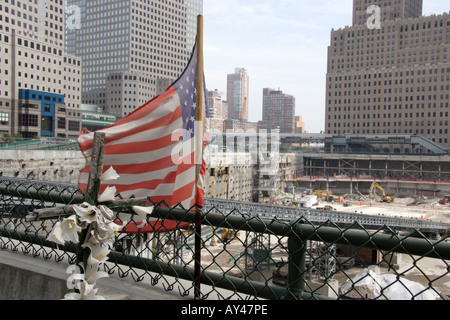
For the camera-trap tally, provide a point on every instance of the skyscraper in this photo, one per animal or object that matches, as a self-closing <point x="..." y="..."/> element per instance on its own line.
<point x="40" y="85"/>
<point x="278" y="111"/>
<point x="394" y="79"/>
<point x="132" y="50"/>
<point x="214" y="104"/>
<point x="216" y="110"/>
<point x="238" y="95"/>
<point x="390" y="9"/>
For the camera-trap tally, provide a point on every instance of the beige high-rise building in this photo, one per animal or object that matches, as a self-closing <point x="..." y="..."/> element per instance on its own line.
<point x="215" y="105"/>
<point x="390" y="80"/>
<point x="390" y="10"/>
<point x="300" y="126"/>
<point x="40" y="85"/>
<point x="132" y="50"/>
<point x="238" y="95"/>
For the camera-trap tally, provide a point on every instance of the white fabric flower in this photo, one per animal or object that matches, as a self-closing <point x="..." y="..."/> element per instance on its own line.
<point x="92" y="274"/>
<point x="142" y="213"/>
<point x="108" y="195"/>
<point x="107" y="212"/>
<point x="98" y="255"/>
<point x="67" y="230"/>
<point x="70" y="229"/>
<point x="56" y="235"/>
<point x="109" y="175"/>
<point x="86" y="213"/>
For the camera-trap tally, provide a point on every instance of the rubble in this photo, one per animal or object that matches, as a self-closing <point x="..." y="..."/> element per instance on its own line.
<point x="369" y="284"/>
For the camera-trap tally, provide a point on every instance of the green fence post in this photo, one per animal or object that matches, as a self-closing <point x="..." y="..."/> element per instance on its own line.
<point x="297" y="263"/>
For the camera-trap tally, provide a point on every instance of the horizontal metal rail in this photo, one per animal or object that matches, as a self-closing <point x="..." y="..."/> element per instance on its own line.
<point x="244" y="286"/>
<point x="298" y="229"/>
<point x="64" y="193"/>
<point x="342" y="219"/>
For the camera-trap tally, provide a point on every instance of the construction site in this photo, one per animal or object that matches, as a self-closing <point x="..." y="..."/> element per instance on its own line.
<point x="331" y="266"/>
<point x="405" y="192"/>
<point x="404" y="178"/>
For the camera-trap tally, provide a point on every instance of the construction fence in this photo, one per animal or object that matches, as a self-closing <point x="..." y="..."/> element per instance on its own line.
<point x="242" y="256"/>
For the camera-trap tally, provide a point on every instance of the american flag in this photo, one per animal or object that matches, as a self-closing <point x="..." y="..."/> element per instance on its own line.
<point x="153" y="149"/>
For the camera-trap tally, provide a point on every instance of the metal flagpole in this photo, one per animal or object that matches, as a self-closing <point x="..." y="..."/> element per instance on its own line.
<point x="199" y="154"/>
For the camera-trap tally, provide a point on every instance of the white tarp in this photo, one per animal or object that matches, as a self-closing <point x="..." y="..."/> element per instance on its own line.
<point x="394" y="288"/>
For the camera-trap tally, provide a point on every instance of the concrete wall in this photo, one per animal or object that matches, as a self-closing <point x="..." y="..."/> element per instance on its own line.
<point x="231" y="177"/>
<point x="24" y="277"/>
<point x="57" y="166"/>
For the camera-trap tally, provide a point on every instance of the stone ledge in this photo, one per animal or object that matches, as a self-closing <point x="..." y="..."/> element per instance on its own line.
<point x="24" y="277"/>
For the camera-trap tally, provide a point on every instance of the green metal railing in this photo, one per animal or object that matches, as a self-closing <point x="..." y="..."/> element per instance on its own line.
<point x="269" y="259"/>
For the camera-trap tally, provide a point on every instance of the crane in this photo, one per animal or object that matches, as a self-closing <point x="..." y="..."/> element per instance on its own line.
<point x="384" y="197"/>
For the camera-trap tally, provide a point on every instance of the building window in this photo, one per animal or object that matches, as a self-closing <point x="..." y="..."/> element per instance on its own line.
<point x="61" y="123"/>
<point x="74" y="126"/>
<point x="47" y="124"/>
<point x="4" y="118"/>
<point x="28" y="120"/>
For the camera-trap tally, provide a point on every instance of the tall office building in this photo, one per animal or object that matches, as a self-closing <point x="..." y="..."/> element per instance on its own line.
<point x="40" y="85"/>
<point x="300" y="126"/>
<point x="390" y="80"/>
<point x="390" y="10"/>
<point x="132" y="50"/>
<point x="278" y="111"/>
<point x="216" y="110"/>
<point x="238" y="95"/>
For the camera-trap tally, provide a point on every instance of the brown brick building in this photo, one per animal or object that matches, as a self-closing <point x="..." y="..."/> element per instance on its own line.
<point x="278" y="111"/>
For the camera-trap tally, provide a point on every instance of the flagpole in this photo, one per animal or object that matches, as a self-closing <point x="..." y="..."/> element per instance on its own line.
<point x="199" y="154"/>
<point x="200" y="95"/>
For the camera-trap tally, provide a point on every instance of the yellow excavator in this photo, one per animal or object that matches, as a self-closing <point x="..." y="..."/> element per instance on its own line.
<point x="322" y="195"/>
<point x="229" y="234"/>
<point x="444" y="236"/>
<point x="384" y="197"/>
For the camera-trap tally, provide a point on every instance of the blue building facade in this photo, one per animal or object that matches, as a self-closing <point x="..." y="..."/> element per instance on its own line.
<point x="38" y="112"/>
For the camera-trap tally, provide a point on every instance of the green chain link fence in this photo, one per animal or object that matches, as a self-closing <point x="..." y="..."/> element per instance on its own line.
<point x="243" y="256"/>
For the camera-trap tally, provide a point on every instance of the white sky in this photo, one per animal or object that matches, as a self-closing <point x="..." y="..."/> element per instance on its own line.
<point x="282" y="44"/>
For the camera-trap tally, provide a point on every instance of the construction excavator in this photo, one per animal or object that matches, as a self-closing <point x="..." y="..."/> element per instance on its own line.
<point x="322" y="195"/>
<point x="445" y="235"/>
<point x="229" y="235"/>
<point x="384" y="197"/>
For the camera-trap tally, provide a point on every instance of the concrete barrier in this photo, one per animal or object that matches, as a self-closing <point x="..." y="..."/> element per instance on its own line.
<point x="24" y="277"/>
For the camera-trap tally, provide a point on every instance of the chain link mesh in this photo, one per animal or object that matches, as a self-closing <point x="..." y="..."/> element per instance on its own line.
<point x="242" y="256"/>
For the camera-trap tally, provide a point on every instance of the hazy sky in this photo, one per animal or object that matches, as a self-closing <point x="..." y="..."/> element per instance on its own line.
<point x="282" y="43"/>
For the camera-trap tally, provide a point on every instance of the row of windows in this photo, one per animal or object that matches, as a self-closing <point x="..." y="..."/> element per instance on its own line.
<point x="390" y="41"/>
<point x="381" y="61"/>
<point x="390" y="74"/>
<point x="441" y="104"/>
<point x="389" y="116"/>
<point x="413" y="127"/>
<point x="387" y="131"/>
<point x="31" y="120"/>
<point x="399" y="87"/>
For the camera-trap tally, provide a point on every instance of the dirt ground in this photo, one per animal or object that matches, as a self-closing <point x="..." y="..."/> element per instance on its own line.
<point x="409" y="208"/>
